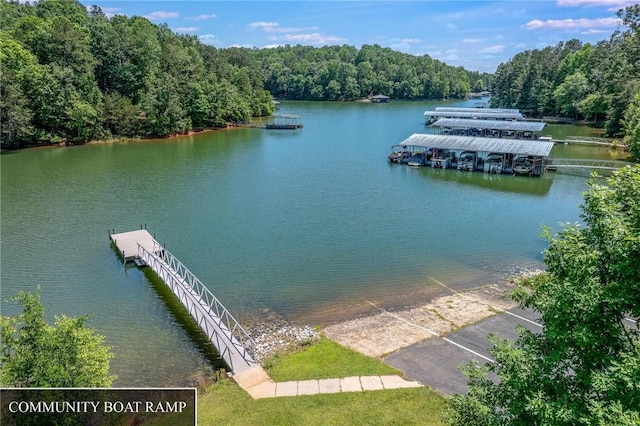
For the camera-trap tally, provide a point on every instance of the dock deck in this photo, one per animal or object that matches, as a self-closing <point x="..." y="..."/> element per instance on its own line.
<point x="127" y="243"/>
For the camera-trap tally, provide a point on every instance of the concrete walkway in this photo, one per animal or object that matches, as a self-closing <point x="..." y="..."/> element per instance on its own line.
<point x="257" y="383"/>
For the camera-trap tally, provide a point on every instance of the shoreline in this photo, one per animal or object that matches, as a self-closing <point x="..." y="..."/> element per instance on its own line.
<point x="52" y="144"/>
<point x="386" y="330"/>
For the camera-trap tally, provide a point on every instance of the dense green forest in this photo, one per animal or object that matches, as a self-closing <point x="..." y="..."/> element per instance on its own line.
<point x="346" y="73"/>
<point x="72" y="74"/>
<point x="578" y="81"/>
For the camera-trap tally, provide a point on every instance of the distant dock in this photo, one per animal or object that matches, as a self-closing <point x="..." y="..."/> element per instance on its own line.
<point x="284" y="122"/>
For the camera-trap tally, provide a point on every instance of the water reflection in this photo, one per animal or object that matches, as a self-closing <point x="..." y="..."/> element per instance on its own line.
<point x="504" y="182"/>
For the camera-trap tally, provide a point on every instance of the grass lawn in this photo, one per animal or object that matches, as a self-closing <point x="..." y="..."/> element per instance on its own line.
<point x="226" y="403"/>
<point x="325" y="359"/>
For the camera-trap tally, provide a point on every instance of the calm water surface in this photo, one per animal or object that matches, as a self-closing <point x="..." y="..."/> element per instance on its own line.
<point x="308" y="224"/>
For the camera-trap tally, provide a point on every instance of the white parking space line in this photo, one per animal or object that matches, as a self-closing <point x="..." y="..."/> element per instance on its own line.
<point x="430" y="332"/>
<point x="483" y="303"/>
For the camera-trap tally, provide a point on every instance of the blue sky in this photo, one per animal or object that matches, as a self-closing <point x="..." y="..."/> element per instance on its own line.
<point x="477" y="35"/>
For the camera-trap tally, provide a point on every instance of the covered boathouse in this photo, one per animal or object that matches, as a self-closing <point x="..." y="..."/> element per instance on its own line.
<point x="377" y="99"/>
<point x="490" y="155"/>
<point x="431" y="116"/>
<point x="489" y="128"/>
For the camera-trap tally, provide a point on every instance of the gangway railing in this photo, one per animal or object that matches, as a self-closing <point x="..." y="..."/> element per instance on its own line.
<point x="580" y="163"/>
<point x="222" y="329"/>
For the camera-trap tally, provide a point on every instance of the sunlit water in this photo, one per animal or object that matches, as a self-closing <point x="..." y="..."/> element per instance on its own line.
<point x="309" y="224"/>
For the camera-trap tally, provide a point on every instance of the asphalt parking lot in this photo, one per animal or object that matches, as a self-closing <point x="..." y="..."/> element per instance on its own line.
<point x="436" y="361"/>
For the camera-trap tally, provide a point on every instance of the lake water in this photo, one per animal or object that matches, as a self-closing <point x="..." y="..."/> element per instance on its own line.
<point x="308" y="224"/>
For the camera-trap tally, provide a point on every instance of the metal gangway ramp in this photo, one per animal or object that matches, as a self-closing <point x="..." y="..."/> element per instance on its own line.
<point x="221" y="328"/>
<point x="589" y="164"/>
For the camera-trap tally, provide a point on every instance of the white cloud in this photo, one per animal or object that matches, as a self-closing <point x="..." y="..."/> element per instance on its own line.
<point x="593" y="31"/>
<point x="202" y="17"/>
<point x="287" y="34"/>
<point x="187" y="29"/>
<point x="161" y="14"/>
<point x="451" y="26"/>
<point x="274" y="27"/>
<point x="313" y="38"/>
<point x="493" y="49"/>
<point x="263" y="25"/>
<point x="611" y="4"/>
<point x="472" y="40"/>
<point x="449" y="55"/>
<point x="209" y="39"/>
<point x="564" y="24"/>
<point x="402" y="45"/>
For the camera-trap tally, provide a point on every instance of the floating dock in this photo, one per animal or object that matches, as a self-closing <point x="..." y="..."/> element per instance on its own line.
<point x="221" y="328"/>
<point x="127" y="243"/>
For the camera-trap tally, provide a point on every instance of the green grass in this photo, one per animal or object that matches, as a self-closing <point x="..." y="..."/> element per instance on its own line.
<point x="225" y="403"/>
<point x="325" y="359"/>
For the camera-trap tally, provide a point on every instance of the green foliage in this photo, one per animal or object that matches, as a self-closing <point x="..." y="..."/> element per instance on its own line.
<point x="35" y="354"/>
<point x="575" y="80"/>
<point x="584" y="368"/>
<point x="593" y="106"/>
<point x="570" y="93"/>
<point x="631" y="123"/>
<point x="69" y="73"/>
<point x="325" y="359"/>
<point x="345" y="73"/>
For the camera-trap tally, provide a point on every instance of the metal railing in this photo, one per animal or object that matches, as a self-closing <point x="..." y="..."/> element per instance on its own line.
<point x="586" y="163"/>
<point x="592" y="140"/>
<point x="227" y="333"/>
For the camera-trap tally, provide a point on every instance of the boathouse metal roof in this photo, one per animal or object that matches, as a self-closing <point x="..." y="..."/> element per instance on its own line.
<point x="467" y="143"/>
<point x="460" y="109"/>
<point x="522" y="126"/>
<point x="476" y="113"/>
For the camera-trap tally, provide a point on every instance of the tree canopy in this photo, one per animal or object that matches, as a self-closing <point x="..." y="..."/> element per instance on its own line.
<point x="36" y="354"/>
<point x="346" y="73"/>
<point x="71" y="74"/>
<point x="576" y="80"/>
<point x="584" y="367"/>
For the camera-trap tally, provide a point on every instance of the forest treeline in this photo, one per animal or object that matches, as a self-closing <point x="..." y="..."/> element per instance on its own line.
<point x="596" y="83"/>
<point x="338" y="73"/>
<point x="68" y="73"/>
